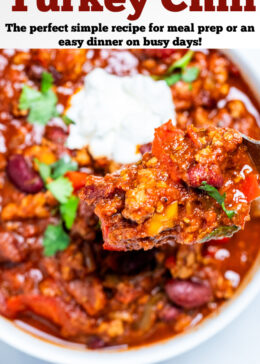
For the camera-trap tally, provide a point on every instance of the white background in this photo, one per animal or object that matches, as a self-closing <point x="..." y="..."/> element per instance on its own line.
<point x="239" y="343"/>
<point x="153" y="12"/>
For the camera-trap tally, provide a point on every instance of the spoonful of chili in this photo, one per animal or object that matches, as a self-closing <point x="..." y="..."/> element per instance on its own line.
<point x="194" y="185"/>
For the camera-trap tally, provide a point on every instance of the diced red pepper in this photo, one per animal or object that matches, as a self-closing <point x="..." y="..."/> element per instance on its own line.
<point x="78" y="179"/>
<point x="163" y="137"/>
<point x="48" y="307"/>
<point x="250" y="187"/>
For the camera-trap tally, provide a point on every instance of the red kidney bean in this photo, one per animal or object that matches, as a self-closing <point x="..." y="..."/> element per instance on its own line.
<point x="35" y="72"/>
<point x="56" y="134"/>
<point x="169" y="313"/>
<point x="57" y="76"/>
<point x="212" y="175"/>
<point x="22" y="175"/>
<point x="188" y="294"/>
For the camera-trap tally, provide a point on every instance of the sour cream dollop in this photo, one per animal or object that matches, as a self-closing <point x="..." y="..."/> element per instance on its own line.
<point x="115" y="114"/>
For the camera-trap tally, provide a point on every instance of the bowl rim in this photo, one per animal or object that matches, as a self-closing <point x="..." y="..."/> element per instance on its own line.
<point x="61" y="352"/>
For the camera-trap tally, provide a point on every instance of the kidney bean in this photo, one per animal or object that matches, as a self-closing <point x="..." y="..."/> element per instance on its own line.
<point x="56" y="134"/>
<point x="212" y="175"/>
<point x="57" y="76"/>
<point x="35" y="72"/>
<point x="188" y="294"/>
<point x="169" y="313"/>
<point x="22" y="175"/>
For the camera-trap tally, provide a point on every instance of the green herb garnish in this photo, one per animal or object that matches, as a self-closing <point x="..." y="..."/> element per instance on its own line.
<point x="213" y="192"/>
<point x="67" y="120"/>
<point x="190" y="74"/>
<point x="41" y="104"/>
<point x="62" y="166"/>
<point x="57" y="169"/>
<point x="221" y="232"/>
<point x="44" y="170"/>
<point x="55" y="239"/>
<point x="61" y="188"/>
<point x="182" y="62"/>
<point x="68" y="211"/>
<point x="185" y="73"/>
<point x="172" y="79"/>
<point x="42" y="108"/>
<point x="47" y="82"/>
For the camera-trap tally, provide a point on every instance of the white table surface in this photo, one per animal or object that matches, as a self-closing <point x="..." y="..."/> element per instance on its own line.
<point x="239" y="343"/>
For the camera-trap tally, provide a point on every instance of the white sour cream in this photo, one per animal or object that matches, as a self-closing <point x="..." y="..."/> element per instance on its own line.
<point x="115" y="114"/>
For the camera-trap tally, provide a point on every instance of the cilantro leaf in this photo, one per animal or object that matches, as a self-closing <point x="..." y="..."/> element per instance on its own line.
<point x="41" y="105"/>
<point x="230" y="213"/>
<point x="67" y="120"/>
<point x="57" y="169"/>
<point x="44" y="169"/>
<point x="172" y="79"/>
<point x="47" y="82"/>
<point x="221" y="232"/>
<point x="190" y="74"/>
<point x="55" y="239"/>
<point x="185" y="74"/>
<point x="68" y="211"/>
<point x="182" y="62"/>
<point x="61" y="188"/>
<point x="62" y="166"/>
<point x="43" y="109"/>
<point x="213" y="192"/>
<point x="28" y="96"/>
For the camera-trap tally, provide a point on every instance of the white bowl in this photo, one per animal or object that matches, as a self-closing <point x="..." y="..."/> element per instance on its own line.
<point x="41" y="346"/>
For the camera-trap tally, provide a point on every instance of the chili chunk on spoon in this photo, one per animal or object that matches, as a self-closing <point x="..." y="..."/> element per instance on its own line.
<point x="195" y="185"/>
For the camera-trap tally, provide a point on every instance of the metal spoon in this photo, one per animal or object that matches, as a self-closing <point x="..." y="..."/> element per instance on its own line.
<point x="253" y="148"/>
